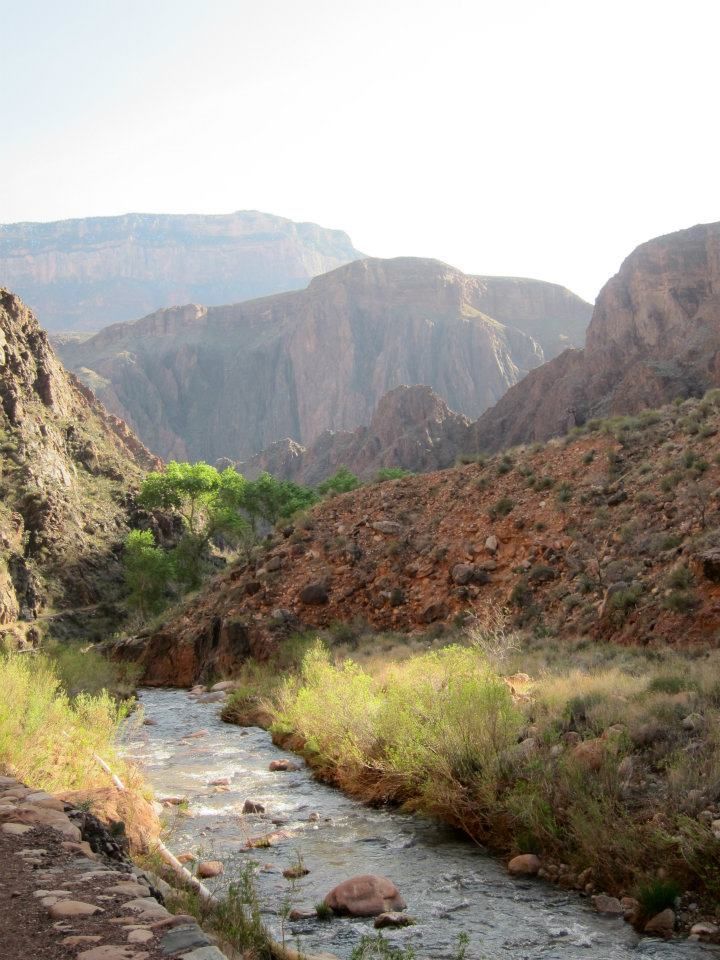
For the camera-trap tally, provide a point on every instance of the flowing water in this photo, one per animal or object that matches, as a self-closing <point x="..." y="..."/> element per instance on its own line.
<point x="450" y="885"/>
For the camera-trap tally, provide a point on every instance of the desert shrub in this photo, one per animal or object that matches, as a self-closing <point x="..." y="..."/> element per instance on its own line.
<point x="621" y="602"/>
<point x="392" y="473"/>
<point x="680" y="577"/>
<point x="81" y="669"/>
<point x="680" y="601"/>
<point x="671" y="683"/>
<point x="588" y="457"/>
<point x="544" y="483"/>
<point x="502" y="507"/>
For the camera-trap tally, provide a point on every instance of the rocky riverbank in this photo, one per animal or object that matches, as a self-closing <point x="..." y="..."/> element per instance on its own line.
<point x="68" y="889"/>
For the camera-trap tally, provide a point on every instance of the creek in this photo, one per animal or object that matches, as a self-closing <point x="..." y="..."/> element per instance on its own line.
<point x="451" y="886"/>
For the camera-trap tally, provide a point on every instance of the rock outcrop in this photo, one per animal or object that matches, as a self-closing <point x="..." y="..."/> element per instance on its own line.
<point x="654" y="336"/>
<point x="412" y="428"/>
<point x="84" y="274"/>
<point x="67" y="468"/>
<point x="205" y="383"/>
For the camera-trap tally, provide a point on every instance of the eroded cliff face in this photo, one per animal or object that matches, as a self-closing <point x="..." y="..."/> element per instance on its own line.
<point x="67" y="469"/>
<point x="87" y="273"/>
<point x="206" y="383"/>
<point x="412" y="428"/>
<point x="654" y="336"/>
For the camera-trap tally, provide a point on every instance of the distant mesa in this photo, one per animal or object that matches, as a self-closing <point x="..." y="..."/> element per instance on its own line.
<point x="199" y="382"/>
<point x="85" y="274"/>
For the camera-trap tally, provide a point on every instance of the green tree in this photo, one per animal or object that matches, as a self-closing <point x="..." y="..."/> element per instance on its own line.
<point x="342" y="481"/>
<point x="269" y="499"/>
<point x="185" y="487"/>
<point x="148" y="571"/>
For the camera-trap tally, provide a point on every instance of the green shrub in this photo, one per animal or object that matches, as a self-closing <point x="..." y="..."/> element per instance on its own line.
<point x="392" y="473"/>
<point x="148" y="571"/>
<point x="680" y="601"/>
<point x="342" y="481"/>
<point x="656" y="896"/>
<point x="680" y="577"/>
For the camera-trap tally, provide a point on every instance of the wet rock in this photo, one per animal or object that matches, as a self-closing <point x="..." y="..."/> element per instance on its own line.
<point x="111" y="952"/>
<point x="183" y="939"/>
<point x="524" y="865"/>
<point x="608" y="905"/>
<point x="365" y="896"/>
<point x="210" y="868"/>
<point x="393" y="920"/>
<point x="631" y="908"/>
<point x="223" y="685"/>
<point x="295" y="872"/>
<point x="286" y="766"/>
<point x="314" y="594"/>
<point x="662" y="924"/>
<point x="302" y="915"/>
<point x="252" y="806"/>
<point x="706" y="931"/>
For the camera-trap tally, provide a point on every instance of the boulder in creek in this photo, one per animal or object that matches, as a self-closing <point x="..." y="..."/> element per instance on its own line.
<point x="609" y="905"/>
<point x="252" y="806"/>
<point x="286" y="766"/>
<point x="524" y="865"/>
<point x="210" y="868"/>
<point x="365" y="896"/>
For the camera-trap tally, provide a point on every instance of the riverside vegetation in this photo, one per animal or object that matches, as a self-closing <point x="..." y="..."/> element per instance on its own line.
<point x="603" y="761"/>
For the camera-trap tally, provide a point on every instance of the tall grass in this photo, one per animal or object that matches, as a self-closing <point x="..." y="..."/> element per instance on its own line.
<point x="444" y="733"/>
<point x="47" y="737"/>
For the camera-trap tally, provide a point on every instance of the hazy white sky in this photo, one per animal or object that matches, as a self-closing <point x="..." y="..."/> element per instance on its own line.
<point x="542" y="138"/>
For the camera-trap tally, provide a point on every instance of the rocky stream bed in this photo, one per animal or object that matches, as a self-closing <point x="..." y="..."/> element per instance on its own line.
<point x="451" y="886"/>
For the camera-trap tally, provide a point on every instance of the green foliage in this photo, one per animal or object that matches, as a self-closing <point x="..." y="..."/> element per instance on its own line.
<point x="392" y="473"/>
<point x="185" y="487"/>
<point x="323" y="911"/>
<point x="82" y="669"/>
<point x="656" y="896"/>
<point x="342" y="481"/>
<point x="148" y="571"/>
<point x="269" y="499"/>
<point x="680" y="577"/>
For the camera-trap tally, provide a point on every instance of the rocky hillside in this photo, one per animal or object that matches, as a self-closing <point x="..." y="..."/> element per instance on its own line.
<point x="654" y="336"/>
<point x="66" y="469"/>
<point x="614" y="534"/>
<point x="87" y="273"/>
<point x="412" y="428"/>
<point x="205" y="383"/>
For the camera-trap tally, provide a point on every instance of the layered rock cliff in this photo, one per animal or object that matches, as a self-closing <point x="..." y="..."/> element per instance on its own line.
<point x="201" y="382"/>
<point x="412" y="428"/>
<point x="87" y="273"/>
<point x="654" y="336"/>
<point x="67" y="469"/>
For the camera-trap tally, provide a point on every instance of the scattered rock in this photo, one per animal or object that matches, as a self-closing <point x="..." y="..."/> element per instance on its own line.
<point x="589" y="754"/>
<point x="72" y="908"/>
<point x="705" y="931"/>
<point x="492" y="543"/>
